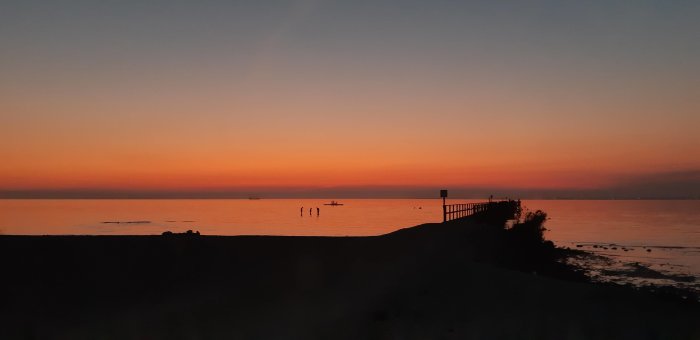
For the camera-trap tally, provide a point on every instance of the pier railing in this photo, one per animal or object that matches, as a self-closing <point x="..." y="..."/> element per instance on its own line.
<point x="508" y="208"/>
<point x="454" y="211"/>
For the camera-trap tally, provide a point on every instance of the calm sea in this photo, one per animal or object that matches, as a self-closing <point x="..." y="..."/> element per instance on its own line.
<point x="662" y="234"/>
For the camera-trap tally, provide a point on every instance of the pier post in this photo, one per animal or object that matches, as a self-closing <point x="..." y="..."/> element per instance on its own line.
<point x="443" y="194"/>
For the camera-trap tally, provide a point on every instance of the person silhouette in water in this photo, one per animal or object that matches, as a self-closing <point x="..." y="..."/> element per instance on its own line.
<point x="301" y="211"/>
<point x="310" y="209"/>
<point x="318" y="211"/>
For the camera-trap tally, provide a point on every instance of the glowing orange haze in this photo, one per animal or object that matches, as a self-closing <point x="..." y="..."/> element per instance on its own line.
<point x="218" y="152"/>
<point x="170" y="143"/>
<point x="358" y="127"/>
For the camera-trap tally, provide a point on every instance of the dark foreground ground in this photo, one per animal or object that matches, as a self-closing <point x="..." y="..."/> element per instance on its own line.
<point x="437" y="281"/>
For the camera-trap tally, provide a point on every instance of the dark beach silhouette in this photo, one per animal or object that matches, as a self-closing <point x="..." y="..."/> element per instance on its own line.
<point x="467" y="278"/>
<point x="189" y="233"/>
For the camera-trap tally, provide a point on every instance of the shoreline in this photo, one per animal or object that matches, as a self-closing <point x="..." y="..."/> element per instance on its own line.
<point x="464" y="279"/>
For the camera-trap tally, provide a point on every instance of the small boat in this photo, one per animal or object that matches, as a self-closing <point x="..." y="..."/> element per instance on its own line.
<point x="333" y="203"/>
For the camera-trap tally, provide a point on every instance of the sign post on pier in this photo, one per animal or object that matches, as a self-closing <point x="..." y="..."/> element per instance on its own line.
<point x="443" y="194"/>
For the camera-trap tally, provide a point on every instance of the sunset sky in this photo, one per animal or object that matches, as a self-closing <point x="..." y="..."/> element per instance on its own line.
<point x="220" y="95"/>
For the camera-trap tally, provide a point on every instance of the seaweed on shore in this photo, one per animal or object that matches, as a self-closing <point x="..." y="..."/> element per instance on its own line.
<point x="633" y="275"/>
<point x="526" y="249"/>
<point x="638" y="270"/>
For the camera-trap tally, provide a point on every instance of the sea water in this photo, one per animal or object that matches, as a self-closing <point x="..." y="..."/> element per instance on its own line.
<point x="663" y="235"/>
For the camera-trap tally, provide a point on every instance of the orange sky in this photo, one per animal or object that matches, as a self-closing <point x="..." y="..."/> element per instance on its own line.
<point x="294" y="99"/>
<point x="343" y="149"/>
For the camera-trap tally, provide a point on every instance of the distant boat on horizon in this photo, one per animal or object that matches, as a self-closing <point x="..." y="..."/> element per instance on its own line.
<point x="253" y="198"/>
<point x="333" y="203"/>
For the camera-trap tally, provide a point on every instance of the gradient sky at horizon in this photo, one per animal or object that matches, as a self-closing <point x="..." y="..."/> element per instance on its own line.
<point x="211" y="94"/>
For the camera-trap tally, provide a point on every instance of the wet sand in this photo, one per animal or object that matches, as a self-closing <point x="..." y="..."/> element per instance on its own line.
<point x="462" y="280"/>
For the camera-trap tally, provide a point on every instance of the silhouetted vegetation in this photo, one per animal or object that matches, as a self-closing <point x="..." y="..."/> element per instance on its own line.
<point x="531" y="229"/>
<point x="522" y="246"/>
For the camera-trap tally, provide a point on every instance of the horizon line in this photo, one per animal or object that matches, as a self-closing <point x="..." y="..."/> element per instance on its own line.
<point x="457" y="193"/>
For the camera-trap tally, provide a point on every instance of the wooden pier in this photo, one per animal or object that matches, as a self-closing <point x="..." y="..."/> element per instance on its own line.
<point x="451" y="212"/>
<point x="454" y="211"/>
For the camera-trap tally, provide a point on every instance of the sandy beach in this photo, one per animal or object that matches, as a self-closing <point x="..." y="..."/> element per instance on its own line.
<point x="461" y="280"/>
